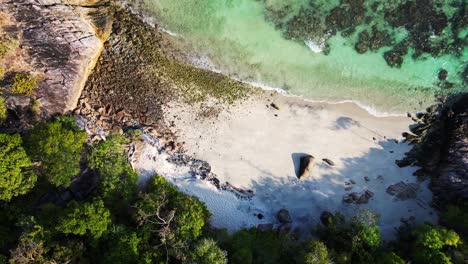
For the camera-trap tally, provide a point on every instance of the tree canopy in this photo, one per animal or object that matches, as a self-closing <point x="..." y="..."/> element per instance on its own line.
<point x="84" y="219"/>
<point x="16" y="175"/>
<point x="57" y="145"/>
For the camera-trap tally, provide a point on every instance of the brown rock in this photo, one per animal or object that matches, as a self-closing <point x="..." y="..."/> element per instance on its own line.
<point x="329" y="162"/>
<point x="306" y="165"/>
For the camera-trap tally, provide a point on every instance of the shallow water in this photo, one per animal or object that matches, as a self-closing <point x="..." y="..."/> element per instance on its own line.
<point x="242" y="39"/>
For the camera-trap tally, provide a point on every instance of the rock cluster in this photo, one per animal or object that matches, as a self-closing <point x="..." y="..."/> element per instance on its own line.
<point x="358" y="198"/>
<point x="403" y="191"/>
<point x="440" y="140"/>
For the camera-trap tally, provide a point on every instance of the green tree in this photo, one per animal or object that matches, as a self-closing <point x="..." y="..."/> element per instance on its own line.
<point x="430" y="244"/>
<point x="317" y="253"/>
<point x="206" y="251"/>
<point x="388" y="258"/>
<point x="16" y="176"/>
<point x="84" y="219"/>
<point x="117" y="180"/>
<point x="57" y="145"/>
<point x="175" y="218"/>
<point x="120" y="245"/>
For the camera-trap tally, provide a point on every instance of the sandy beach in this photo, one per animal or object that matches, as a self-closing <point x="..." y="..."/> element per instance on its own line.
<point x="254" y="146"/>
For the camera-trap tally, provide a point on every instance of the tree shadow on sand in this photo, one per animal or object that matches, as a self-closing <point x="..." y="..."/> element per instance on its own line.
<point x="324" y="189"/>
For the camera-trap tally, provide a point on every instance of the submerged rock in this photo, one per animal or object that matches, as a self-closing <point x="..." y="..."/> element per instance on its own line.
<point x="306" y="165"/>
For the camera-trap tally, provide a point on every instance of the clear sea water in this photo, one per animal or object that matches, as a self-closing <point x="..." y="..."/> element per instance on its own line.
<point x="238" y="39"/>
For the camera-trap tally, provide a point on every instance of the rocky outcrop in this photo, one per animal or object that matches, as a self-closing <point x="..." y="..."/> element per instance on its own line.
<point x="358" y="198"/>
<point x="403" y="191"/>
<point x="440" y="140"/>
<point x="63" y="40"/>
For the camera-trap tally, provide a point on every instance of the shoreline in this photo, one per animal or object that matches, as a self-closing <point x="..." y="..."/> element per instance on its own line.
<point x="203" y="62"/>
<point x="248" y="146"/>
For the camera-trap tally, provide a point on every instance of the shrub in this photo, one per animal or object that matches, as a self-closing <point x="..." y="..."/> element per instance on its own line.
<point x="206" y="251"/>
<point x="57" y="145"/>
<point x="16" y="176"/>
<point x="36" y="108"/>
<point x="3" y="110"/>
<point x="24" y="83"/>
<point x="317" y="253"/>
<point x="2" y="72"/>
<point x="431" y="241"/>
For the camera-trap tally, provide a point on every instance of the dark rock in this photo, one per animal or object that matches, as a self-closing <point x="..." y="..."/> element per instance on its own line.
<point x="358" y="198"/>
<point x="329" y="162"/>
<point x="442" y="149"/>
<point x="326" y="218"/>
<point x="275" y="106"/>
<point x="403" y="191"/>
<point x="283" y="216"/>
<point x="442" y="75"/>
<point x="260" y="216"/>
<point x="366" y="178"/>
<point x="352" y="181"/>
<point x="306" y="165"/>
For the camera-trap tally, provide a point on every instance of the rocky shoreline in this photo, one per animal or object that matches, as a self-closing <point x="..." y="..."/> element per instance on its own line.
<point x="440" y="139"/>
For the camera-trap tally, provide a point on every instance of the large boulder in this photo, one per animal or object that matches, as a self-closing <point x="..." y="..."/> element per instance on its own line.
<point x="306" y="165"/>
<point x="283" y="216"/>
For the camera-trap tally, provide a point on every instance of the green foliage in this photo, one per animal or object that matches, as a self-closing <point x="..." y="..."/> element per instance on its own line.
<point x="388" y="258"/>
<point x="317" y="253"/>
<point x="57" y="145"/>
<point x="85" y="219"/>
<point x="358" y="238"/>
<point x="3" y="110"/>
<point x="256" y="246"/>
<point x="16" y="176"/>
<point x="36" y="107"/>
<point x="7" y="46"/>
<point x="117" y="180"/>
<point x="24" y="83"/>
<point x="174" y="218"/>
<point x="456" y="216"/>
<point x="120" y="245"/>
<point x="206" y="251"/>
<point x="430" y="244"/>
<point x="2" y="72"/>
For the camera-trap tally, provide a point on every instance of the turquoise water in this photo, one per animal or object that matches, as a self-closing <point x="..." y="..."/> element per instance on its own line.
<point x="243" y="39"/>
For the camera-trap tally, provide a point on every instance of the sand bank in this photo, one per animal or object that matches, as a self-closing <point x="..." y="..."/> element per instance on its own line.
<point x="254" y="146"/>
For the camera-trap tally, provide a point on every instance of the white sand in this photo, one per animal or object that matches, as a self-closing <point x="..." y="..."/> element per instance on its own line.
<point x="250" y="147"/>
